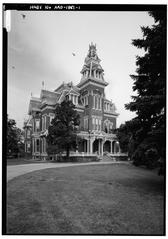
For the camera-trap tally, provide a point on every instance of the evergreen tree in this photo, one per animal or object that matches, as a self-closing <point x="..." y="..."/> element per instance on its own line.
<point x="148" y="128"/>
<point x="62" y="131"/>
<point x="123" y="136"/>
<point x="14" y="138"/>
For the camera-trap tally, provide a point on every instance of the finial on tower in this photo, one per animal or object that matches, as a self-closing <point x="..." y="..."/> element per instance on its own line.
<point x="92" y="50"/>
<point x="43" y="85"/>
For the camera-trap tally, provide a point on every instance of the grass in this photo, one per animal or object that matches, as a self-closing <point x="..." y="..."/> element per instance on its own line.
<point x="97" y="199"/>
<point x="18" y="161"/>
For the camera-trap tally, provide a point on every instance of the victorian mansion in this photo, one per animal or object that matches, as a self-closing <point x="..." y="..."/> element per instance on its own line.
<point x="97" y="114"/>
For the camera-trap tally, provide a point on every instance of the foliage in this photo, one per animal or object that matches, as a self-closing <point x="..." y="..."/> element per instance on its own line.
<point x="148" y="128"/>
<point x="123" y="136"/>
<point x="14" y="138"/>
<point x="62" y="132"/>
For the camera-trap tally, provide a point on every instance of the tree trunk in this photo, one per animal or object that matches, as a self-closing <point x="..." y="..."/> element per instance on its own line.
<point x="67" y="154"/>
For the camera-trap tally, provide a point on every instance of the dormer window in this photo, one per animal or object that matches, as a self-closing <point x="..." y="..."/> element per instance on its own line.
<point x="74" y="99"/>
<point x="52" y="116"/>
<point x="85" y="100"/>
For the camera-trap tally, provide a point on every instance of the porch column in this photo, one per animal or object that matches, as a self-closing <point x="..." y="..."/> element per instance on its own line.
<point x="91" y="146"/>
<point x="102" y="147"/>
<point x="44" y="145"/>
<point x="35" y="145"/>
<point x="87" y="146"/>
<point x="119" y="150"/>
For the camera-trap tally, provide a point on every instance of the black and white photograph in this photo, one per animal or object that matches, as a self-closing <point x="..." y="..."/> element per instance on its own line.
<point x="84" y="119"/>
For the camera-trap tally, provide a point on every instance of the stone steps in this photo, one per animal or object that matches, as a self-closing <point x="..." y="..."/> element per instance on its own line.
<point x="106" y="158"/>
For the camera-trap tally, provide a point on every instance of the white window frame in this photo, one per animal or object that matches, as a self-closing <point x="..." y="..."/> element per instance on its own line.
<point x="52" y="116"/>
<point x="97" y="124"/>
<point x="93" y="101"/>
<point x="37" y="120"/>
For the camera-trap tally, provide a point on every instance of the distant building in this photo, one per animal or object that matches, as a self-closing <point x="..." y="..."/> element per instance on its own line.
<point x="97" y="114"/>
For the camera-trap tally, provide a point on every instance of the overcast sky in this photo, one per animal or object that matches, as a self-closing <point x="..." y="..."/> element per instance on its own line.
<point x="40" y="48"/>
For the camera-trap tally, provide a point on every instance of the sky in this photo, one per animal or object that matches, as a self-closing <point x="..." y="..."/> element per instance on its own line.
<point x="40" y="47"/>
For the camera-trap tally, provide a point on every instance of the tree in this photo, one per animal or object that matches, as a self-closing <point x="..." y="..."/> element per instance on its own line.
<point x="148" y="128"/>
<point x="62" y="131"/>
<point x="123" y="136"/>
<point x="14" y="138"/>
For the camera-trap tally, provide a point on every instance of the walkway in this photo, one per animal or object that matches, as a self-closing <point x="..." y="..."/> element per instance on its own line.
<point x="17" y="170"/>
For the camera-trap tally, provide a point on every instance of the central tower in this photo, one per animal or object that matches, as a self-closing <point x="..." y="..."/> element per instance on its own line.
<point x="92" y="70"/>
<point x="91" y="87"/>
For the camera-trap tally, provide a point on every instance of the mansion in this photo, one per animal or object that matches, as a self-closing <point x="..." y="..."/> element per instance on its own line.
<point x="97" y="114"/>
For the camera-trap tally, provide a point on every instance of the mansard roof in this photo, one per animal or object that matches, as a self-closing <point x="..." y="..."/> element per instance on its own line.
<point x="47" y="93"/>
<point x="34" y="105"/>
<point x="49" y="97"/>
<point x="27" y="122"/>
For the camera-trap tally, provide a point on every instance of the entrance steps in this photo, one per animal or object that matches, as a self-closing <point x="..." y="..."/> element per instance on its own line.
<point x="106" y="158"/>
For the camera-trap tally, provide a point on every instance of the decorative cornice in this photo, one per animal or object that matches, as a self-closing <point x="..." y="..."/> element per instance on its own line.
<point x="111" y="115"/>
<point x="89" y="81"/>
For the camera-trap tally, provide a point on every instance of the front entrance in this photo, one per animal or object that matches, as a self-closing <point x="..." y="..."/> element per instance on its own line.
<point x="107" y="147"/>
<point x="98" y="146"/>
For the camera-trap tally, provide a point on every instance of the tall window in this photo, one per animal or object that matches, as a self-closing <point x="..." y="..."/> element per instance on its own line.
<point x="100" y="124"/>
<point x="42" y="122"/>
<point x="37" y="125"/>
<point x="86" y="123"/>
<point x="99" y="103"/>
<point x="93" y="101"/>
<point x="93" y="123"/>
<point x="85" y="100"/>
<point x="96" y="124"/>
<point x="106" y="126"/>
<point x="111" y="127"/>
<point x="75" y="100"/>
<point x="28" y="147"/>
<point x="28" y="133"/>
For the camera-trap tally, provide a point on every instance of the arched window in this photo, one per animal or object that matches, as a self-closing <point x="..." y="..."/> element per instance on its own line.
<point x="111" y="127"/>
<point x="107" y="126"/>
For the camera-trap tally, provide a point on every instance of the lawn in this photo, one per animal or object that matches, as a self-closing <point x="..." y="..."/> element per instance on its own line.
<point x="97" y="199"/>
<point x="18" y="161"/>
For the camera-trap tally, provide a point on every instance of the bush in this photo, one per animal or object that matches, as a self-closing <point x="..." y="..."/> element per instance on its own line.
<point x="138" y="157"/>
<point x="145" y="156"/>
<point x="60" y="158"/>
<point x="151" y="158"/>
